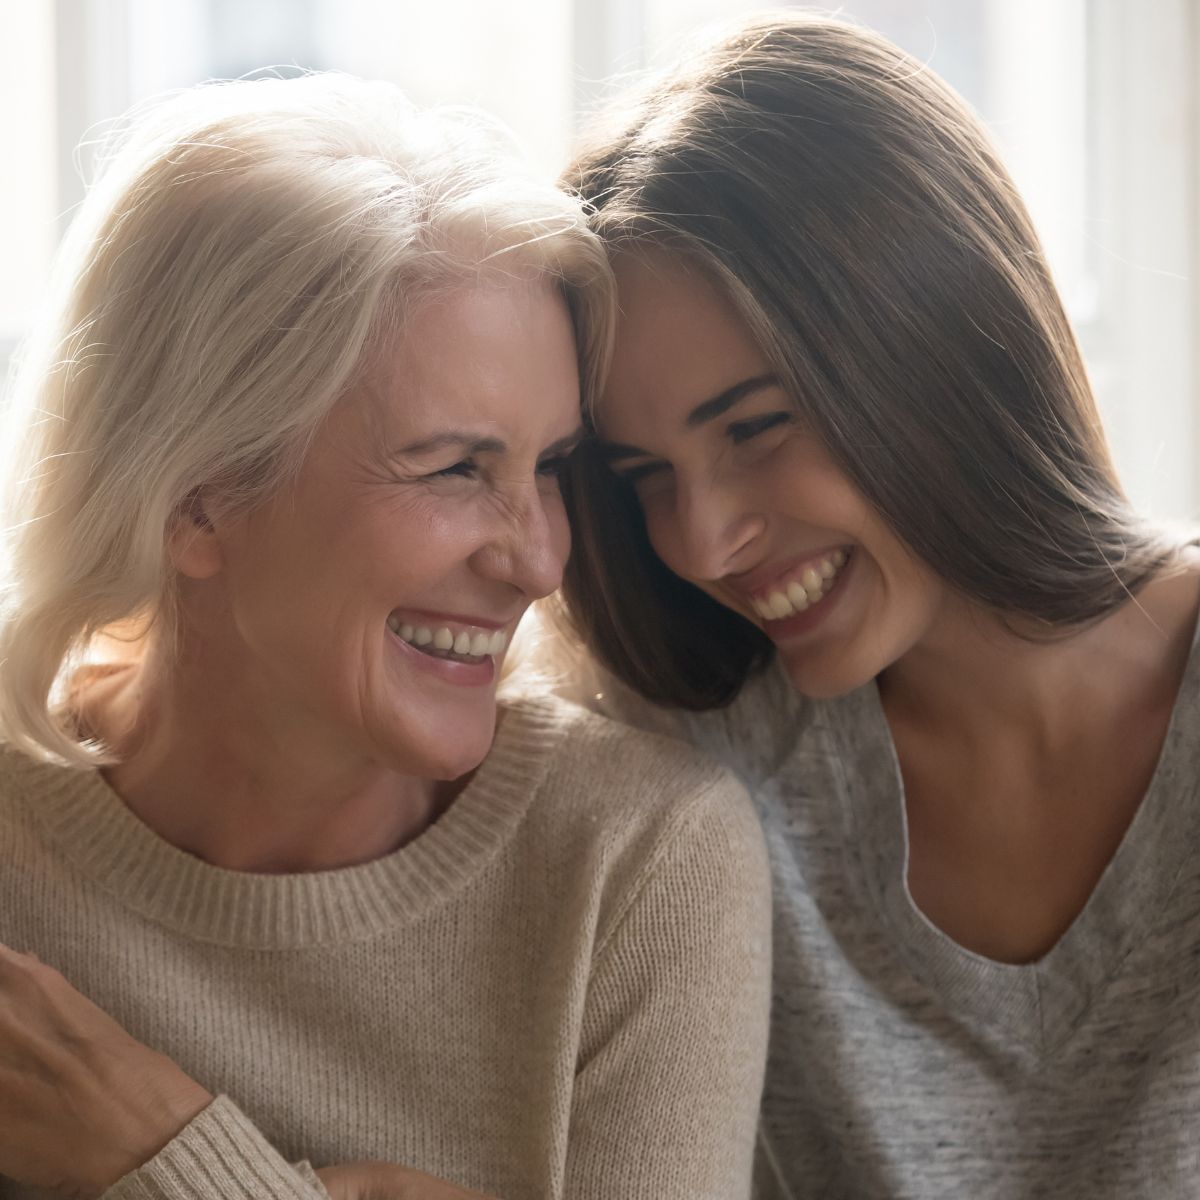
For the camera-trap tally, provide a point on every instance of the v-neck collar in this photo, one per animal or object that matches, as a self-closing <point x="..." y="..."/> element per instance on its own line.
<point x="1039" y="1003"/>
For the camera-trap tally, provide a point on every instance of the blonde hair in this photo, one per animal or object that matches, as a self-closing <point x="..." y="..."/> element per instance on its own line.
<point x="244" y="248"/>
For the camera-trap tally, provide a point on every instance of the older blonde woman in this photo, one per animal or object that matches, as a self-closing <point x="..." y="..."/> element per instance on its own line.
<point x="295" y="435"/>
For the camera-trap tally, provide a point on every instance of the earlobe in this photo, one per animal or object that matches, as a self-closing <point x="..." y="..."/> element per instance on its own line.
<point x="192" y="542"/>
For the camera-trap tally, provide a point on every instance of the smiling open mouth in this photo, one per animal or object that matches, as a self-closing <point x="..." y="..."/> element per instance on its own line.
<point x="467" y="645"/>
<point x="802" y="590"/>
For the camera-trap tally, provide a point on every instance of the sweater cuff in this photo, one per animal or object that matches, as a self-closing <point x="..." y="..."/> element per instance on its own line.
<point x="219" y="1155"/>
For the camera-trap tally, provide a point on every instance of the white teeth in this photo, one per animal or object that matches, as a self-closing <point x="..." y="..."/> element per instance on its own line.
<point x="800" y="593"/>
<point x="476" y="644"/>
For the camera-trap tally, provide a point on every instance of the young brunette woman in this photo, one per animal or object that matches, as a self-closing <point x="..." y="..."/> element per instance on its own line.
<point x="851" y="516"/>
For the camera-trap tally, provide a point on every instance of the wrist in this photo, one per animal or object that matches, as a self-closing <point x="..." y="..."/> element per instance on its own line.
<point x="162" y="1114"/>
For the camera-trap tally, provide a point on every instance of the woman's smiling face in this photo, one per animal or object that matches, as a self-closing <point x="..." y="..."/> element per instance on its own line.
<point x="739" y="499"/>
<point x="370" y="601"/>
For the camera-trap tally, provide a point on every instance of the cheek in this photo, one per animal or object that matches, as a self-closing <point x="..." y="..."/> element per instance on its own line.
<point x="265" y="572"/>
<point x="409" y="543"/>
<point x="917" y="593"/>
<point x="907" y="596"/>
<point x="798" y="486"/>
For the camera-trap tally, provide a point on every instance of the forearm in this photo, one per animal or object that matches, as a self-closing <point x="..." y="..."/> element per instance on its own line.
<point x="222" y="1156"/>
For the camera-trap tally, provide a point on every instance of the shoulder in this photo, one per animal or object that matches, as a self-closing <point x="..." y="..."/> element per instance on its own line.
<point x="620" y="807"/>
<point x="751" y="735"/>
<point x="25" y="786"/>
<point x="42" y="792"/>
<point x="21" y="777"/>
<point x="600" y="761"/>
<point x="756" y="731"/>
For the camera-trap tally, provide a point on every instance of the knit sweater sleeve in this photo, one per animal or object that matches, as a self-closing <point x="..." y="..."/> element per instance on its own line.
<point x="220" y="1155"/>
<point x="673" y="1044"/>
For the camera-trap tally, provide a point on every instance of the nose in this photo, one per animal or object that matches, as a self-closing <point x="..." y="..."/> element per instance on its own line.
<point x="717" y="529"/>
<point x="530" y="541"/>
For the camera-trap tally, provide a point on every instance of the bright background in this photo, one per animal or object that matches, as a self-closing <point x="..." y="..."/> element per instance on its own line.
<point x="1094" y="104"/>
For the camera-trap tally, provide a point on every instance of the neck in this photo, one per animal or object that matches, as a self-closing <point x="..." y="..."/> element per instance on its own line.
<point x="216" y="771"/>
<point x="977" y="679"/>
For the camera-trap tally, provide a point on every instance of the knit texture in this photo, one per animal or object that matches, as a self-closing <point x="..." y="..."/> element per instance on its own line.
<point x="905" y="1067"/>
<point x="560" y="989"/>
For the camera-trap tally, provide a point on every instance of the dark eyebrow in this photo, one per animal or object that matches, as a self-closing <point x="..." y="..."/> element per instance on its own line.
<point x="707" y="410"/>
<point x="565" y="445"/>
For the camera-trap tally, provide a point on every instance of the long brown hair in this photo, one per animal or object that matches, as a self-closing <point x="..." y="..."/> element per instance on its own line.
<point x="855" y="212"/>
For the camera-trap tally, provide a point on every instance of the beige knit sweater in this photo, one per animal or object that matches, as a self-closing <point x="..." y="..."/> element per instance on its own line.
<point x="559" y="990"/>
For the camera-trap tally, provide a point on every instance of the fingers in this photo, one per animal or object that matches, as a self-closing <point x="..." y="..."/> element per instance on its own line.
<point x="333" y="1182"/>
<point x="388" y="1181"/>
<point x="18" y="958"/>
<point x="17" y="969"/>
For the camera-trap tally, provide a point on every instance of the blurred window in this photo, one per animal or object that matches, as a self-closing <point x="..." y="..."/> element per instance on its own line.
<point x="1091" y="103"/>
<point x="28" y="229"/>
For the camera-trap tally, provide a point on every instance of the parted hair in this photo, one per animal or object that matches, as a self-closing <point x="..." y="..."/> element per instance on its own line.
<point x="243" y="250"/>
<point x="854" y="211"/>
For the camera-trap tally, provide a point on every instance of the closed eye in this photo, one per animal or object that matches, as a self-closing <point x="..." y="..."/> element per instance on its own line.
<point x="743" y="431"/>
<point x="466" y="469"/>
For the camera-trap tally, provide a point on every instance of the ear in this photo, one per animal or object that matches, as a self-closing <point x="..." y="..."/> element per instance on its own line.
<point x="192" y="541"/>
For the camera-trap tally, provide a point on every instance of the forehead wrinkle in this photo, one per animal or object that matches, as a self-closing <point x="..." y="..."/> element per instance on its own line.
<point x="382" y="411"/>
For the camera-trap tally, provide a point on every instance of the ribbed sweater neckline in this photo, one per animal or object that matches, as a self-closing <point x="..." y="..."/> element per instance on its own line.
<point x="113" y="848"/>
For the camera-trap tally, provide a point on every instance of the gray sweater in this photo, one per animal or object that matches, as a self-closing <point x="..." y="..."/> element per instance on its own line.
<point x="901" y="1064"/>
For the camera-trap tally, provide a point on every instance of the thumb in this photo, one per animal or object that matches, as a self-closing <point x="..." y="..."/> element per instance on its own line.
<point x="337" y="1181"/>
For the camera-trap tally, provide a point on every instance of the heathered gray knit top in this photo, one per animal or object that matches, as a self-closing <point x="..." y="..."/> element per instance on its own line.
<point x="903" y="1065"/>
